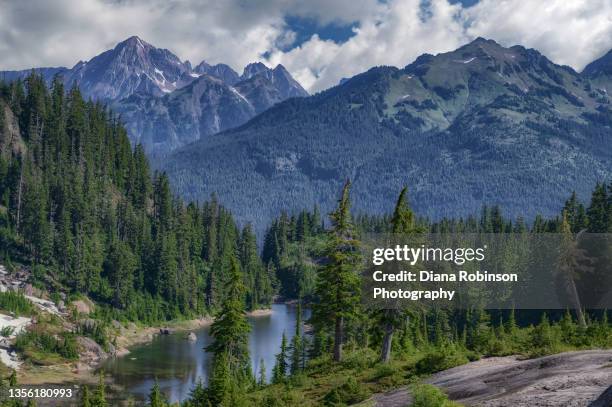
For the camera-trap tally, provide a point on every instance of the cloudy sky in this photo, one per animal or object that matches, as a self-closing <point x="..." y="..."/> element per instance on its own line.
<point x="319" y="41"/>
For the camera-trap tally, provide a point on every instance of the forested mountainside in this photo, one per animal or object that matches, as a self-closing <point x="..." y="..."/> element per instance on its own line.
<point x="482" y="124"/>
<point x="81" y="208"/>
<point x="166" y="103"/>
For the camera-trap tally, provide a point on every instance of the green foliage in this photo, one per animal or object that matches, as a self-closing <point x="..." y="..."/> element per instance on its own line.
<point x="281" y="368"/>
<point x="440" y="359"/>
<point x="156" y="397"/>
<point x="44" y="348"/>
<point x="98" y="398"/>
<point x="350" y="392"/>
<point x="338" y="283"/>
<point x="82" y="207"/>
<point x="231" y="372"/>
<point x="16" y="303"/>
<point x="426" y="395"/>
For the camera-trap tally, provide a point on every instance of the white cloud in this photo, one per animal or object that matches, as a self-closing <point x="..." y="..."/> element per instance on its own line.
<point x="390" y="32"/>
<point x="571" y="32"/>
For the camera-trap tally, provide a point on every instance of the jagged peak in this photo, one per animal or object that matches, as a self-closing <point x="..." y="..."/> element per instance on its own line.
<point x="601" y="65"/>
<point x="253" y="69"/>
<point x="482" y="40"/>
<point x="133" y="41"/>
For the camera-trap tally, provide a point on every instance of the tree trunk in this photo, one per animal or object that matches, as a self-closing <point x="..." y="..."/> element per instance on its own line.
<point x="19" y="198"/>
<point x="339" y="333"/>
<point x="576" y="300"/>
<point x="385" y="354"/>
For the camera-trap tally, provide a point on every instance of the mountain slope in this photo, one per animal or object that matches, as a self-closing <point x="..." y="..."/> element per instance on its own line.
<point x="481" y="124"/>
<point x="207" y="105"/>
<point x="600" y="73"/>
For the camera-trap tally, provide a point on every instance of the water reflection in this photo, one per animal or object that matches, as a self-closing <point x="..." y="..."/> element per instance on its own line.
<point x="178" y="364"/>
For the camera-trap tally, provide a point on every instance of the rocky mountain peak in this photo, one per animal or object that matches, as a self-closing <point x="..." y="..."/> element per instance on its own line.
<point x="601" y="66"/>
<point x="253" y="69"/>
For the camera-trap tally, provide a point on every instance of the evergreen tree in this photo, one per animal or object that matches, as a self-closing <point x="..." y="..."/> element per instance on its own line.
<point x="99" y="396"/>
<point x="403" y="225"/>
<point x="297" y="343"/>
<point x="230" y="332"/>
<point x="156" y="397"/>
<point x="85" y="402"/>
<point x="281" y="366"/>
<point x="261" y="381"/>
<point x="338" y="281"/>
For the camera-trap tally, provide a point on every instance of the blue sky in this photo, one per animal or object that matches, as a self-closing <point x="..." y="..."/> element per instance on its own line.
<point x="306" y="27"/>
<point x="318" y="41"/>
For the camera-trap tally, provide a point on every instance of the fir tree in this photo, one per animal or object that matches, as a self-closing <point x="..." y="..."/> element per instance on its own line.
<point x="297" y="342"/>
<point x="230" y="333"/>
<point x="156" y="397"/>
<point x="338" y="281"/>
<point x="403" y="225"/>
<point x="99" y="396"/>
<point x="85" y="402"/>
<point x="281" y="366"/>
<point x="261" y="380"/>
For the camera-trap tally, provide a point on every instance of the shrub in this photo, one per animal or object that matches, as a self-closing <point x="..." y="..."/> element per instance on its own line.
<point x="41" y="346"/>
<point x="438" y="360"/>
<point x="426" y="395"/>
<point x="16" y="303"/>
<point x="360" y="359"/>
<point x="350" y="392"/>
<point x="7" y="331"/>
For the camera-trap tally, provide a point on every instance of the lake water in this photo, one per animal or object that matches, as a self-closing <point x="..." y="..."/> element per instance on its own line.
<point x="178" y="364"/>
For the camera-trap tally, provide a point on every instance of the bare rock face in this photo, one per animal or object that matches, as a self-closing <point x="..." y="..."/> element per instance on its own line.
<point x="83" y="306"/>
<point x="567" y="379"/>
<point x="10" y="136"/>
<point x="571" y="379"/>
<point x="91" y="352"/>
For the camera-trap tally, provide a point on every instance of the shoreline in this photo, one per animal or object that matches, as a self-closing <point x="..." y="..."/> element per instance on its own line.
<point x="79" y="372"/>
<point x="144" y="335"/>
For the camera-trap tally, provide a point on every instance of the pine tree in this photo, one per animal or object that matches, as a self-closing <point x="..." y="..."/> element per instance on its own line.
<point x="99" y="396"/>
<point x="230" y="333"/>
<point x="403" y="225"/>
<point x="597" y="212"/>
<point x="572" y="262"/>
<point x="297" y="342"/>
<point x="220" y="381"/>
<point x="281" y="367"/>
<point x="156" y="397"/>
<point x="85" y="402"/>
<point x="261" y="381"/>
<point x="338" y="285"/>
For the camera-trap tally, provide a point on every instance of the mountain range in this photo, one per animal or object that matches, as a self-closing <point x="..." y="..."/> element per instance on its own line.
<point x="166" y="103"/>
<point x="483" y="124"/>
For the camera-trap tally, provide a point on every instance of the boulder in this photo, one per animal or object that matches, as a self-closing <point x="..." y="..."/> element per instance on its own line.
<point x="91" y="352"/>
<point x="191" y="337"/>
<point x="83" y="306"/>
